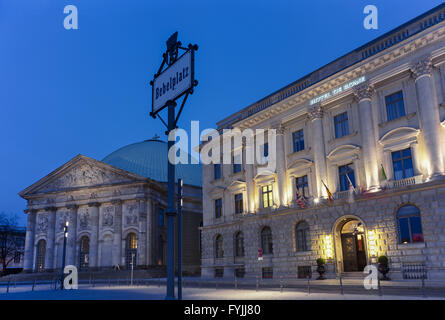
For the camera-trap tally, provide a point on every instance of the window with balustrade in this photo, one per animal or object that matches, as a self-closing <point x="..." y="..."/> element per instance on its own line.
<point x="402" y="162"/>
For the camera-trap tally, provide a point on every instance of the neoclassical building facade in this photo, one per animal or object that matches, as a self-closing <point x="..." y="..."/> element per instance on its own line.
<point x="115" y="210"/>
<point x="360" y="152"/>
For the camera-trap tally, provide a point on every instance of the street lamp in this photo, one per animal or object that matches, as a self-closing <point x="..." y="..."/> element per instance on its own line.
<point x="65" y="236"/>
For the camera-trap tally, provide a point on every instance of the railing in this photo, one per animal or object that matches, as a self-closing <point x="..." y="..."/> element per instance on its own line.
<point x="414" y="271"/>
<point x="405" y="182"/>
<point x="341" y="195"/>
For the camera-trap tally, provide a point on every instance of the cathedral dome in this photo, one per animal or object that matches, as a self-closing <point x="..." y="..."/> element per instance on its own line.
<point x="149" y="159"/>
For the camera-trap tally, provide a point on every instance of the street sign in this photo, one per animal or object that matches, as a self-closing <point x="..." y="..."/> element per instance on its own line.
<point x="260" y="254"/>
<point x="173" y="82"/>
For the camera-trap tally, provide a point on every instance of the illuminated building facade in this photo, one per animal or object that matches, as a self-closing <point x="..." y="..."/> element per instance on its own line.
<point x="373" y="119"/>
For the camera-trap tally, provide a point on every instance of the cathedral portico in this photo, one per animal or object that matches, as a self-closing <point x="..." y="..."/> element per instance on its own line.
<point x="115" y="217"/>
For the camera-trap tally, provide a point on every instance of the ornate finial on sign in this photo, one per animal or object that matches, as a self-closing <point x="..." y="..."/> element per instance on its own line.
<point x="155" y="137"/>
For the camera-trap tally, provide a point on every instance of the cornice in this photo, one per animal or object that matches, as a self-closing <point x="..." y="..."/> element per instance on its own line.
<point x="365" y="67"/>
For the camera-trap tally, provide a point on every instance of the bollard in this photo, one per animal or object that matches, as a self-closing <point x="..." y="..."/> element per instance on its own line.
<point x="308" y="286"/>
<point x="109" y="282"/>
<point x="55" y="284"/>
<point x="15" y="284"/>
<point x="281" y="284"/>
<point x="236" y="283"/>
<point x="380" y="287"/>
<point x="159" y="282"/>
<point x="341" y="285"/>
<point x="33" y="285"/>
<point x="89" y="282"/>
<point x="7" y="288"/>
<point x="423" y="287"/>
<point x="93" y="283"/>
<point x="216" y="284"/>
<point x="257" y="283"/>
<point x="118" y="282"/>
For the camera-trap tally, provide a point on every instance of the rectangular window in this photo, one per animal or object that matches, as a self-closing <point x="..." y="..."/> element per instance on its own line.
<point x="302" y="186"/>
<point x="341" y="125"/>
<point x="403" y="164"/>
<point x="236" y="163"/>
<point x="267" y="196"/>
<point x="217" y="171"/>
<point x="239" y="208"/>
<point x="304" y="272"/>
<point x="395" y="107"/>
<point x="218" y="208"/>
<point x="219" y="272"/>
<point x="298" y="140"/>
<point x="240" y="272"/>
<point x="345" y="172"/>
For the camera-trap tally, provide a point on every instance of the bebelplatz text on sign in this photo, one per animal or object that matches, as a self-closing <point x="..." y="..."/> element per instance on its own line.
<point x="173" y="82"/>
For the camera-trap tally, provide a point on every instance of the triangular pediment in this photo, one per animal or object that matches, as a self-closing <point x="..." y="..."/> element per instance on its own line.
<point x="80" y="172"/>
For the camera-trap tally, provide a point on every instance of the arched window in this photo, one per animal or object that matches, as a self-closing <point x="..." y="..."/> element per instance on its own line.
<point x="84" y="255"/>
<point x="219" y="250"/>
<point x="410" y="226"/>
<point x="302" y="236"/>
<point x="266" y="240"/>
<point x="239" y="244"/>
<point x="41" y="251"/>
<point x="131" y="246"/>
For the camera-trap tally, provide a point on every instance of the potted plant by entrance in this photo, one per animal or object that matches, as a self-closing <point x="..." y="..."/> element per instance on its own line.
<point x="321" y="269"/>
<point x="383" y="266"/>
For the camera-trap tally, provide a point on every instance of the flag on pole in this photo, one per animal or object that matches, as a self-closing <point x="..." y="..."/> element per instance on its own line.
<point x="300" y="200"/>
<point x="384" y="179"/>
<point x="351" y="190"/>
<point x="328" y="192"/>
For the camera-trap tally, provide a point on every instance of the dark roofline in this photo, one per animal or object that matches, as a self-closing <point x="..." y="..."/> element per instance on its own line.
<point x="408" y="30"/>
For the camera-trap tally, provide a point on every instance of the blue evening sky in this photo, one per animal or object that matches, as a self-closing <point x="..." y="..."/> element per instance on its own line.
<point x="65" y="92"/>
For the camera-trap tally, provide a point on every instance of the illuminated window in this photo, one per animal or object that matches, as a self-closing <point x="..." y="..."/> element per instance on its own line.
<point x="410" y="226"/>
<point x="131" y="246"/>
<point x="403" y="164"/>
<point x="298" y="140"/>
<point x="341" y="125"/>
<point x="266" y="240"/>
<point x="395" y="107"/>
<point x="267" y="195"/>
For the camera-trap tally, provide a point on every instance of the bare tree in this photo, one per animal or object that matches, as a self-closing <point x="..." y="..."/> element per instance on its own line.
<point x="10" y="244"/>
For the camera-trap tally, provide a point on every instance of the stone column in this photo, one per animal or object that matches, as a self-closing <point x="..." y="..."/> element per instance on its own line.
<point x="117" y="233"/>
<point x="250" y="182"/>
<point x="281" y="167"/>
<point x="29" y="240"/>
<point x="415" y="157"/>
<point x="50" y="244"/>
<point x="369" y="148"/>
<point x="149" y="242"/>
<point x="72" y="235"/>
<point x="94" y="243"/>
<point x="316" y="117"/>
<point x="429" y="116"/>
<point x="142" y="239"/>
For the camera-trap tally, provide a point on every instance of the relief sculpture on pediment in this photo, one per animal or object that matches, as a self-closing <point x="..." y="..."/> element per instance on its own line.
<point x="82" y="175"/>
